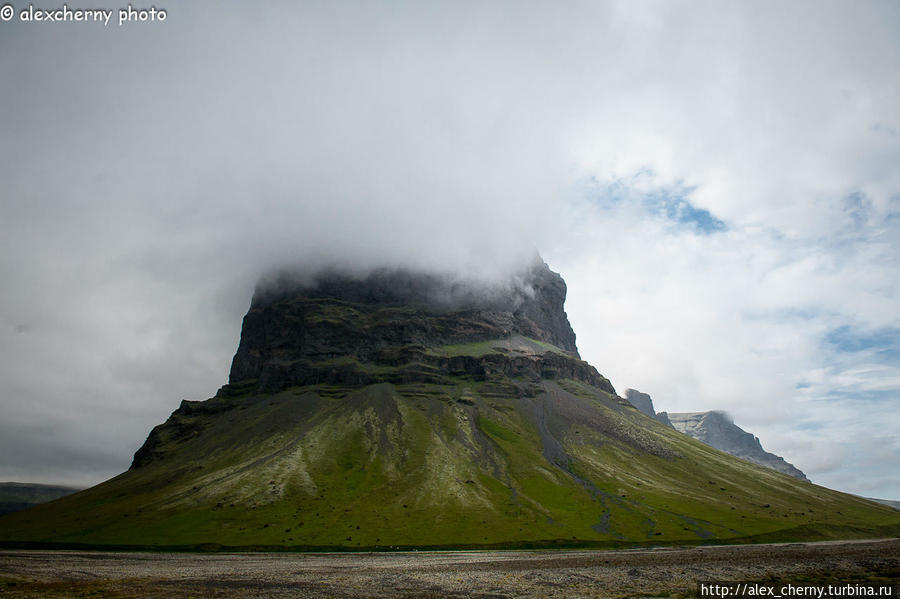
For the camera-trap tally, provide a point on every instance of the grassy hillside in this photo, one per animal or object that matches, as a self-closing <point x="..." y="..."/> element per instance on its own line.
<point x="492" y="460"/>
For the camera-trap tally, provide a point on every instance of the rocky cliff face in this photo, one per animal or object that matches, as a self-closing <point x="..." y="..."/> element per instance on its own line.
<point x="718" y="430"/>
<point x="337" y="328"/>
<point x="644" y="404"/>
<point x="641" y="401"/>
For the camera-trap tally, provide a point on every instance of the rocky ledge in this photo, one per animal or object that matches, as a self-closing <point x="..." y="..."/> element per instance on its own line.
<point x="399" y="326"/>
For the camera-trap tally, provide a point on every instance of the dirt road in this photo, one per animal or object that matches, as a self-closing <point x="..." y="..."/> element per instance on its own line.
<point x="631" y="573"/>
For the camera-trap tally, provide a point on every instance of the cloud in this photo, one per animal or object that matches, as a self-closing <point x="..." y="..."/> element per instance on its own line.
<point x="716" y="183"/>
<point x="750" y="321"/>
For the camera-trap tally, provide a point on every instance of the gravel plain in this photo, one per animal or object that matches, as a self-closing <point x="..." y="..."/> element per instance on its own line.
<point x="661" y="572"/>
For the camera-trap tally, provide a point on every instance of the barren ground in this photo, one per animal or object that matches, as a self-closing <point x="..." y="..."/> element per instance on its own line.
<point x="482" y="574"/>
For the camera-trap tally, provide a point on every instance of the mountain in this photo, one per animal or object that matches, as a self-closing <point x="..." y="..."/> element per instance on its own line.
<point x="890" y="502"/>
<point x="405" y="409"/>
<point x="643" y="403"/>
<point x="718" y="430"/>
<point x="19" y="496"/>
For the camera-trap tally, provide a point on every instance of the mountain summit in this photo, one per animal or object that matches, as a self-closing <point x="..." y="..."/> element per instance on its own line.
<point x="296" y="329"/>
<point x="406" y="409"/>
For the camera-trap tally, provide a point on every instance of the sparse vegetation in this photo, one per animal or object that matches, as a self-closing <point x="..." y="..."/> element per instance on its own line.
<point x="411" y="466"/>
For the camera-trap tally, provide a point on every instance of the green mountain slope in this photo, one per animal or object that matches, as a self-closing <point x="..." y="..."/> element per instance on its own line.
<point x="444" y="439"/>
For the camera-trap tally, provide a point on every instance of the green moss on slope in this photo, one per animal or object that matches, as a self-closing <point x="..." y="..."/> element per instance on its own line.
<point x="439" y="465"/>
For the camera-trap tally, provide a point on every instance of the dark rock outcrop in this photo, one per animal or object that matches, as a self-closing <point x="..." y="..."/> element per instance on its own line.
<point x="337" y="328"/>
<point x="641" y="401"/>
<point x="644" y="404"/>
<point x="718" y="430"/>
<point x="664" y="418"/>
<point x="529" y="302"/>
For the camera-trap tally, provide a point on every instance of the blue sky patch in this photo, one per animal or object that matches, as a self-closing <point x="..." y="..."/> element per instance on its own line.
<point x="811" y="425"/>
<point x="675" y="205"/>
<point x="671" y="203"/>
<point x="883" y="343"/>
<point x="863" y="396"/>
<point x="858" y="208"/>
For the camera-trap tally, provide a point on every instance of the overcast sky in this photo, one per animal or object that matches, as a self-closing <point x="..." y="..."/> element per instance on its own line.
<point x="718" y="183"/>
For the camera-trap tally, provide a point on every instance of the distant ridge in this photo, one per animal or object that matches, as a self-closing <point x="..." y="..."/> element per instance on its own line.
<point x="894" y="504"/>
<point x="19" y="496"/>
<point x="716" y="429"/>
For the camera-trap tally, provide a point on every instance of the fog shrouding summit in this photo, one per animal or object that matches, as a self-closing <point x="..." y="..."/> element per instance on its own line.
<point x="284" y="338"/>
<point x="716" y="183"/>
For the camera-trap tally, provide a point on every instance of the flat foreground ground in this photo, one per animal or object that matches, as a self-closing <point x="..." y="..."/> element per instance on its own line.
<point x="480" y="574"/>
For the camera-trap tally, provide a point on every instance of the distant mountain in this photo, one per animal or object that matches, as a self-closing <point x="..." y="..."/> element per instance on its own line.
<point x="18" y="496"/>
<point x="890" y="502"/>
<point x="716" y="429"/>
<point x="405" y="409"/>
